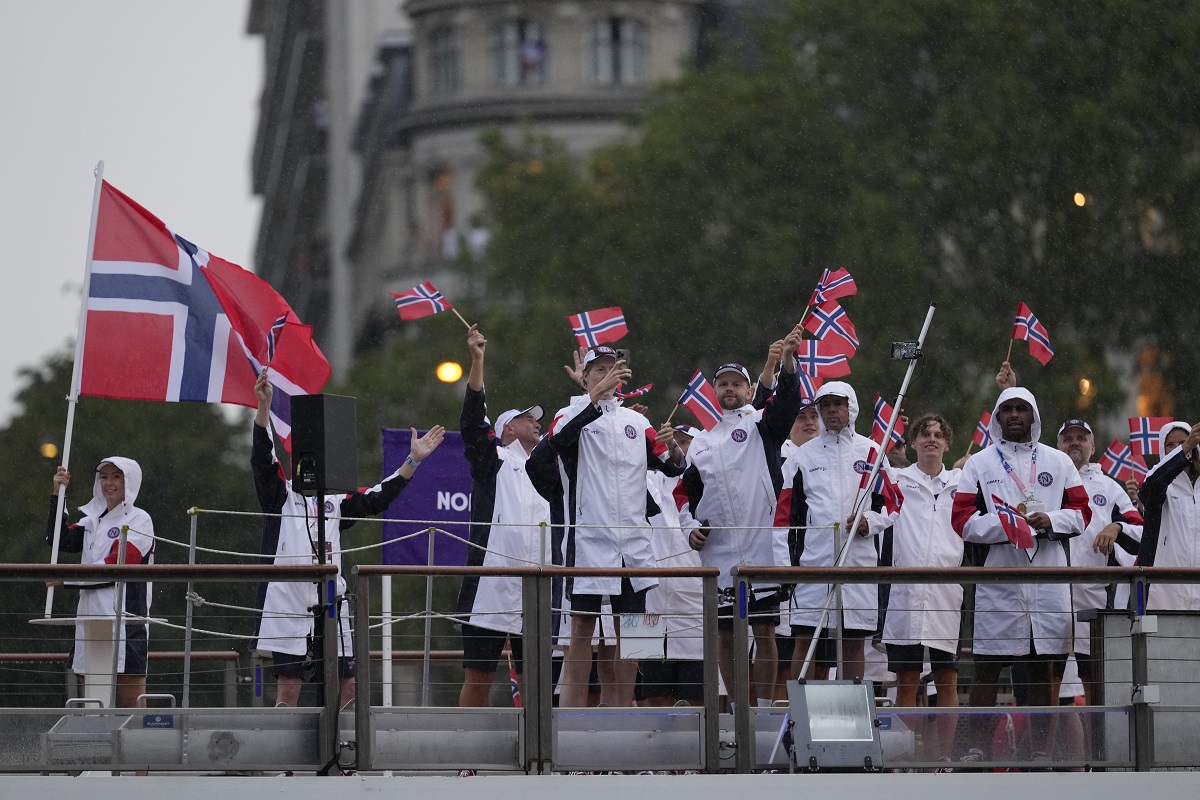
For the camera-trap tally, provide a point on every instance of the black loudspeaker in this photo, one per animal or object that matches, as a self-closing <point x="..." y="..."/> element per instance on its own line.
<point x="324" y="455"/>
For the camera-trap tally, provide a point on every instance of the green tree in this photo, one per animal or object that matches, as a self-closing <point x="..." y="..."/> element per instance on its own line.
<point x="933" y="148"/>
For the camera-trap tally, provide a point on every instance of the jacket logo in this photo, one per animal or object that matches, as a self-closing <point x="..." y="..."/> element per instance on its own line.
<point x="995" y="481"/>
<point x="630" y="432"/>
<point x="1100" y="500"/>
<point x="114" y="533"/>
<point x="328" y="506"/>
<point x="738" y="435"/>
<point x="862" y="467"/>
<point x="1045" y="478"/>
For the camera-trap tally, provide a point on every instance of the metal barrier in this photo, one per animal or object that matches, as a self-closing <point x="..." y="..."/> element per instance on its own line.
<point x="1140" y="680"/>
<point x="1143" y="728"/>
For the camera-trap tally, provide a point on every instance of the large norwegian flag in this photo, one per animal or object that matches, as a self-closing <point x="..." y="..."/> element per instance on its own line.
<point x="983" y="434"/>
<point x="1120" y="463"/>
<point x="829" y="324"/>
<point x="169" y="322"/>
<point x="1143" y="434"/>
<point x="597" y="327"/>
<point x="1016" y="528"/>
<point x="817" y="362"/>
<point x="701" y="399"/>
<point x="422" y="300"/>
<point x="833" y="285"/>
<point x="883" y="414"/>
<point x="1027" y="327"/>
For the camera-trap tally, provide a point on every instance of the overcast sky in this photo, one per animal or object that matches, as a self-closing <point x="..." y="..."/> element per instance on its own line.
<point x="166" y="94"/>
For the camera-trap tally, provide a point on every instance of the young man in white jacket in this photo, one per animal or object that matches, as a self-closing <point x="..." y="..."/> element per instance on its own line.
<point x="604" y="450"/>
<point x="821" y="485"/>
<point x="923" y="619"/>
<point x="1031" y="622"/>
<point x="508" y="519"/>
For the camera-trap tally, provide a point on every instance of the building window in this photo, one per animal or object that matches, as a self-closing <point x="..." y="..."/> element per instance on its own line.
<point x="519" y="53"/>
<point x="443" y="47"/>
<point x="618" y="51"/>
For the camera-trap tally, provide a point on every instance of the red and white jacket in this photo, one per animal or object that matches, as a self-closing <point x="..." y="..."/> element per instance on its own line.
<point x="1008" y="615"/>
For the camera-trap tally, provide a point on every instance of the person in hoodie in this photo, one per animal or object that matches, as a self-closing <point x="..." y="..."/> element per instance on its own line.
<point x="821" y="487"/>
<point x="286" y="622"/>
<point x="603" y="450"/>
<point x="732" y="485"/>
<point x="97" y="538"/>
<point x="1171" y="537"/>
<point x="507" y="525"/>
<point x="1020" y="623"/>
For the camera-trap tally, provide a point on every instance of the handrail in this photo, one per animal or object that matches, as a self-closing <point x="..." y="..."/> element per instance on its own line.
<point x="166" y="572"/>
<point x="154" y="655"/>
<point x="376" y="570"/>
<point x="969" y="575"/>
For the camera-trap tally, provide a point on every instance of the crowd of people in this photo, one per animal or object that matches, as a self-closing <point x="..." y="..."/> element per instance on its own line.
<point x="777" y="481"/>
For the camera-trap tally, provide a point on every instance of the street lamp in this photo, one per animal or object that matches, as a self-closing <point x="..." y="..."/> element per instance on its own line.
<point x="449" y="371"/>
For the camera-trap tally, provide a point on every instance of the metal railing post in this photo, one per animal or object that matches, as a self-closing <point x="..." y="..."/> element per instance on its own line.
<point x="362" y="656"/>
<point x="740" y="691"/>
<point x="231" y="682"/>
<point x="537" y="674"/>
<point x="712" y="692"/>
<point x="327" y="749"/>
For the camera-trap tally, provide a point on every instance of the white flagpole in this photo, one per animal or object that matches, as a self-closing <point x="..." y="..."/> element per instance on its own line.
<point x="73" y="397"/>
<point x="851" y="533"/>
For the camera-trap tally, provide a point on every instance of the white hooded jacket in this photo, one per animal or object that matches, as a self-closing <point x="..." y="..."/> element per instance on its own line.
<point x="1171" y="537"/>
<point x="1008" y="615"/>
<point x="821" y="482"/>
<point x="98" y="534"/>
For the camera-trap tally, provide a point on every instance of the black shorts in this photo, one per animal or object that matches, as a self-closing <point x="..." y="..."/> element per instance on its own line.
<point x="483" y="648"/>
<point x="627" y="602"/>
<point x="137" y="660"/>
<point x="286" y="665"/>
<point x="677" y="679"/>
<point x="911" y="658"/>
<point x="1086" y="664"/>
<point x="763" y="611"/>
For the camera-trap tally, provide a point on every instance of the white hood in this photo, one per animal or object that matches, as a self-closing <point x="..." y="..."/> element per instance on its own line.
<point x="1170" y="426"/>
<point x="1019" y="392"/>
<point x="838" y="389"/>
<point x="133" y="482"/>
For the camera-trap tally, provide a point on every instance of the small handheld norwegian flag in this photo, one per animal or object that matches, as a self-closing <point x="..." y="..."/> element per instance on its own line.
<point x="830" y="324"/>
<point x="833" y="285"/>
<point x="641" y="391"/>
<point x="422" y="300"/>
<point x="817" y="361"/>
<point x="596" y="327"/>
<point x="1143" y="434"/>
<point x="1117" y="461"/>
<point x="1015" y="527"/>
<point x="983" y="433"/>
<point x="883" y="413"/>
<point x="701" y="399"/>
<point x="1027" y="327"/>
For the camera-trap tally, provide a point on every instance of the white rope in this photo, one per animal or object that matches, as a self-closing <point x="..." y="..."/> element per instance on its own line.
<point x="198" y="601"/>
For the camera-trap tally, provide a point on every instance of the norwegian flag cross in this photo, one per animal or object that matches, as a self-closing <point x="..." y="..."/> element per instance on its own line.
<point x="983" y="434"/>
<point x="1027" y="327"/>
<point x="701" y="399"/>
<point x="596" y="327"/>
<point x="420" y="301"/>
<point x="828" y="318"/>
<point x="833" y="285"/>
<point x="1117" y="461"/>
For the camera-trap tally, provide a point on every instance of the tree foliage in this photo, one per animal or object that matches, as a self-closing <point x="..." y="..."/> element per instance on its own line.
<point x="934" y="149"/>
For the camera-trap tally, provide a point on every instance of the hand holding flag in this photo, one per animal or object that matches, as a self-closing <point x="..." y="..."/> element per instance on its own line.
<point x="1016" y="528"/>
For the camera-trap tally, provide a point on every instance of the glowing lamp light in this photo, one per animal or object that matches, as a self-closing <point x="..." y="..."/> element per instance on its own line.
<point x="49" y="450"/>
<point x="449" y="371"/>
<point x="1080" y="199"/>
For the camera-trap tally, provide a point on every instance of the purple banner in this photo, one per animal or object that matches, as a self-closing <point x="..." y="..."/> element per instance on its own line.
<point x="440" y="491"/>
